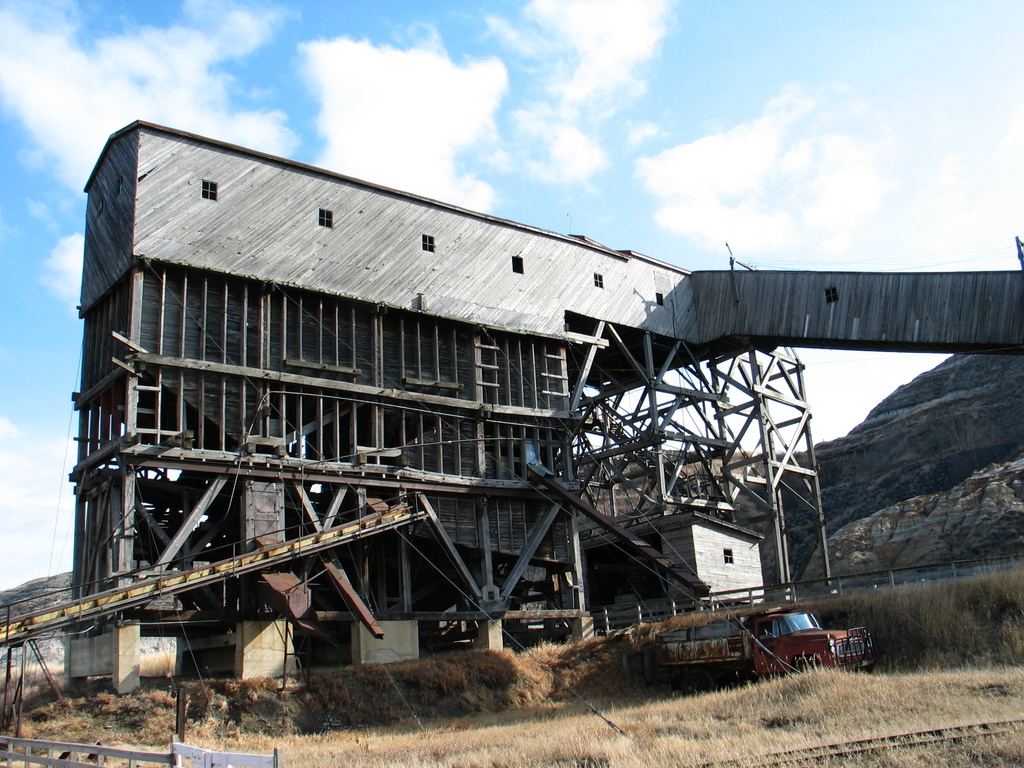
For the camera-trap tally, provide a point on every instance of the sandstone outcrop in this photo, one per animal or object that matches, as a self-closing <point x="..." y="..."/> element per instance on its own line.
<point x="981" y="517"/>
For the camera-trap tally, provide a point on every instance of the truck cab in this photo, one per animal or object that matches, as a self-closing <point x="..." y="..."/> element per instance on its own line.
<point x="786" y="640"/>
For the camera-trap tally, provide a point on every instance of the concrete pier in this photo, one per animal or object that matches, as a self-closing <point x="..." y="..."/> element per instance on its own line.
<point x="401" y="641"/>
<point x="261" y="648"/>
<point x="581" y="628"/>
<point x="489" y="635"/>
<point x="116" y="654"/>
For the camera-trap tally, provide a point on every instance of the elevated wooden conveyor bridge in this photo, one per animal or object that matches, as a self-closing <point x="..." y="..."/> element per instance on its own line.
<point x="16" y="630"/>
<point x="951" y="312"/>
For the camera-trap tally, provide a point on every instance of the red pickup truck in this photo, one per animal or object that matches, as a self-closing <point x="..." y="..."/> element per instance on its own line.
<point x="765" y="643"/>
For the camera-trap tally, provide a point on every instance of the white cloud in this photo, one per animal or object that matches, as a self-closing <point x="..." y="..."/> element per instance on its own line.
<point x="404" y="118"/>
<point x="572" y="156"/>
<point x="971" y="193"/>
<point x="592" y="52"/>
<point x="62" y="271"/>
<point x="35" y="503"/>
<point x="1013" y="140"/>
<point x="780" y="180"/>
<point x="641" y="132"/>
<point x="8" y="430"/>
<point x="70" y="95"/>
<point x="591" y="56"/>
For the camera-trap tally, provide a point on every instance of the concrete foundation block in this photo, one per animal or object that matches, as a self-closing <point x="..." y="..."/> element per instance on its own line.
<point x="401" y="642"/>
<point x="115" y="654"/>
<point x="581" y="628"/>
<point x="127" y="652"/>
<point x="261" y="648"/>
<point x="489" y="635"/>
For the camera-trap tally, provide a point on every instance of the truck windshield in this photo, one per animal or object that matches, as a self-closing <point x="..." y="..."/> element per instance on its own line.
<point x="797" y="622"/>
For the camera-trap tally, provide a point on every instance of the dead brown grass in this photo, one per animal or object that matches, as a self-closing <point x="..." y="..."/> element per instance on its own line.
<point x="818" y="707"/>
<point x="938" y="625"/>
<point x="948" y="657"/>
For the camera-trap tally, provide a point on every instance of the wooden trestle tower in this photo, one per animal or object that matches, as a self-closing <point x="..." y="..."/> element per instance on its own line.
<point x="272" y="351"/>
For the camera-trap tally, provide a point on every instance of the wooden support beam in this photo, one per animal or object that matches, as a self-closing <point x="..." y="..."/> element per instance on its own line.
<point x="355" y="603"/>
<point x="335" y="507"/>
<point x="449" y="546"/>
<point x="398" y="395"/>
<point x="528" y="550"/>
<point x="632" y="544"/>
<point x="128" y="342"/>
<point x="307" y="505"/>
<point x="189" y="524"/>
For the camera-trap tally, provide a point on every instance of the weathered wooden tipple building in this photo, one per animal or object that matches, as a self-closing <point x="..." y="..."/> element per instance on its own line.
<point x="505" y="419"/>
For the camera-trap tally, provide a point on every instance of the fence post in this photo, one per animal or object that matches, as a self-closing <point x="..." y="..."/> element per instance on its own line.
<point x="892" y="579"/>
<point x="953" y="567"/>
<point x="278" y="757"/>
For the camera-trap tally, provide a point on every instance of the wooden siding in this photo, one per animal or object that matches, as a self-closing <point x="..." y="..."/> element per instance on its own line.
<point x="702" y="546"/>
<point x="512" y="520"/>
<point x="264" y="226"/>
<point x="110" y="219"/>
<point x="956" y="312"/>
<point x="238" y="365"/>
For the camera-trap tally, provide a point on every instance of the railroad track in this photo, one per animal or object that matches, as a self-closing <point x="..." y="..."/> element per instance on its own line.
<point x="878" y="744"/>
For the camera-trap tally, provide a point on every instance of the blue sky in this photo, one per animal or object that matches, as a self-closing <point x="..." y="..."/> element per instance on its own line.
<point x="809" y="135"/>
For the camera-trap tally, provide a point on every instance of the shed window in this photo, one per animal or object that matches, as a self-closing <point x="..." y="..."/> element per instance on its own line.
<point x="209" y="190"/>
<point x="598" y="280"/>
<point x="517" y="265"/>
<point x="325" y="218"/>
<point x="659" y="299"/>
<point x="727" y="556"/>
<point x="831" y="295"/>
<point x="428" y="243"/>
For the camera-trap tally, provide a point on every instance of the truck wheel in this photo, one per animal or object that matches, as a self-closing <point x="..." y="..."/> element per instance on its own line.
<point x="696" y="681"/>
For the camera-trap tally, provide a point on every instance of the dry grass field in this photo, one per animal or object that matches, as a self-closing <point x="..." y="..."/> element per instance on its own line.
<point x="952" y="655"/>
<point x="743" y="724"/>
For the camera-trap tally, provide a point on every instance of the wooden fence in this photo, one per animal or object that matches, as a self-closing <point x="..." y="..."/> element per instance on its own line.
<point x="23" y="753"/>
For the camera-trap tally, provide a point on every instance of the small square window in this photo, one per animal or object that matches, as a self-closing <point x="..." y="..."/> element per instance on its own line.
<point x="209" y="190"/>
<point x="517" y="265"/>
<point x="428" y="243"/>
<point x="727" y="556"/>
<point x="598" y="280"/>
<point x="831" y="295"/>
<point x="659" y="299"/>
<point x="325" y="218"/>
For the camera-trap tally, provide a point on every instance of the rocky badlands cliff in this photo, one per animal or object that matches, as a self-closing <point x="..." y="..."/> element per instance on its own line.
<point x="934" y="473"/>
